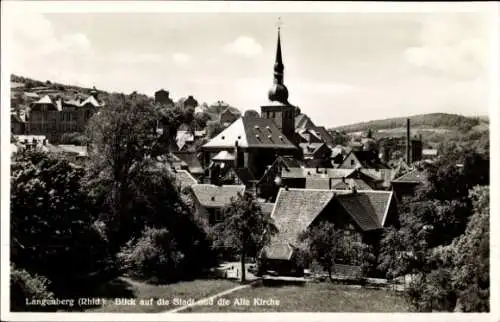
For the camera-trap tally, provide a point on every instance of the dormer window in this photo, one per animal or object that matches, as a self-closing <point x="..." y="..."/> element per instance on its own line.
<point x="256" y="127"/>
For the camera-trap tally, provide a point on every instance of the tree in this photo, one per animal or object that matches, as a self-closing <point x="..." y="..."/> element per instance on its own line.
<point x="470" y="273"/>
<point x="214" y="128"/>
<point x="201" y="119"/>
<point x="53" y="233"/>
<point x="328" y="245"/>
<point x="244" y="229"/>
<point x="121" y="139"/>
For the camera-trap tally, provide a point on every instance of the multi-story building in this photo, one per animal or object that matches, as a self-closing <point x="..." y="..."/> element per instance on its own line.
<point x="53" y="118"/>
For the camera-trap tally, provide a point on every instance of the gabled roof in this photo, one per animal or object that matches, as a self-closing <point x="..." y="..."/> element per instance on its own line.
<point x="317" y="183"/>
<point x="324" y="134"/>
<point x="31" y="95"/>
<point x="223" y="156"/>
<point x="369" y="160"/>
<point x="184" y="178"/>
<point x="367" y="208"/>
<point x="267" y="207"/>
<point x="231" y="110"/>
<point x="251" y="132"/>
<point x="295" y="210"/>
<point x="92" y="101"/>
<point x="182" y="137"/>
<point x="192" y="161"/>
<point x="302" y="121"/>
<point x="72" y="102"/>
<point x="316" y="138"/>
<point x="44" y="100"/>
<point x="311" y="148"/>
<point x="414" y="176"/>
<point x="313" y="172"/>
<point x="216" y="196"/>
<point x="359" y="184"/>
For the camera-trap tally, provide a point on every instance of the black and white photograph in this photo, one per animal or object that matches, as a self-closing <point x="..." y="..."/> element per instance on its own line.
<point x="187" y="159"/>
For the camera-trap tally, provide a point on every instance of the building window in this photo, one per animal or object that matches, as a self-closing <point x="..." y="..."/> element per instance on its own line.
<point x="274" y="115"/>
<point x="352" y="162"/>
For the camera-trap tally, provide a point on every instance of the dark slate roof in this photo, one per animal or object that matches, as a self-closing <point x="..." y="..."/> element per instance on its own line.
<point x="414" y="176"/>
<point x="317" y="183"/>
<point x="295" y="210"/>
<point x="325" y="135"/>
<point x="267" y="207"/>
<point x="184" y="178"/>
<point x="290" y="161"/>
<point x="251" y="133"/>
<point x="216" y="196"/>
<point x="367" y="208"/>
<point x="312" y="172"/>
<point x="303" y="121"/>
<point x="349" y="183"/>
<point x="310" y="148"/>
<point x="382" y="175"/>
<point x="369" y="160"/>
<point x="191" y="159"/>
<point x="244" y="175"/>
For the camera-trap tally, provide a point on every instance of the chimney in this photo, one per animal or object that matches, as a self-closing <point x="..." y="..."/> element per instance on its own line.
<point x="236" y="156"/>
<point x="408" y="147"/>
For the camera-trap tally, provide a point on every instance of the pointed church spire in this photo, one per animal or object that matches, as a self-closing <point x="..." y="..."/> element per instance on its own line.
<point x="278" y="65"/>
<point x="278" y="91"/>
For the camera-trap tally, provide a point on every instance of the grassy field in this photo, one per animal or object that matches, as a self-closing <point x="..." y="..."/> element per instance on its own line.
<point x="127" y="288"/>
<point x="309" y="297"/>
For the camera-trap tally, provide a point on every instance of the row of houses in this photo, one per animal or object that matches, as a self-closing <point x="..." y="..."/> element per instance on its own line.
<point x="297" y="175"/>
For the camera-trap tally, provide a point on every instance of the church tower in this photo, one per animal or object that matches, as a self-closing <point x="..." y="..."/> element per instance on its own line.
<point x="279" y="109"/>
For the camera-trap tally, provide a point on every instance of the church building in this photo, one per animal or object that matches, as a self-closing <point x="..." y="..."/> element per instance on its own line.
<point x="255" y="142"/>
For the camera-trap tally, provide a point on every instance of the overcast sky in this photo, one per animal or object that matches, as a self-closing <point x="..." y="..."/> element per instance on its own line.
<point x="339" y="67"/>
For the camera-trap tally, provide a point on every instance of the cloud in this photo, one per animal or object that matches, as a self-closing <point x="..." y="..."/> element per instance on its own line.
<point x="455" y="45"/>
<point x="38" y="51"/>
<point x="181" y="58"/>
<point x="244" y="46"/>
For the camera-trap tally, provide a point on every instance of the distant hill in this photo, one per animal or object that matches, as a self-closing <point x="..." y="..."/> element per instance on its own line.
<point x="434" y="122"/>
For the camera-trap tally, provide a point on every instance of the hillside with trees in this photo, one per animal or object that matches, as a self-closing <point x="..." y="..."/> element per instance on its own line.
<point x="443" y="121"/>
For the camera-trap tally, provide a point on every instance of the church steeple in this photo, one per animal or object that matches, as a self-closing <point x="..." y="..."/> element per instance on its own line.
<point x="278" y="92"/>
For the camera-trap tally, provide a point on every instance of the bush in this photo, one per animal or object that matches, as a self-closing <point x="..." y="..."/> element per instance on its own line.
<point x="153" y="255"/>
<point x="25" y="286"/>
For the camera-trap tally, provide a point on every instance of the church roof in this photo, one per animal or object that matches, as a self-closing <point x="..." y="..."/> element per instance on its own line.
<point x="251" y="133"/>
